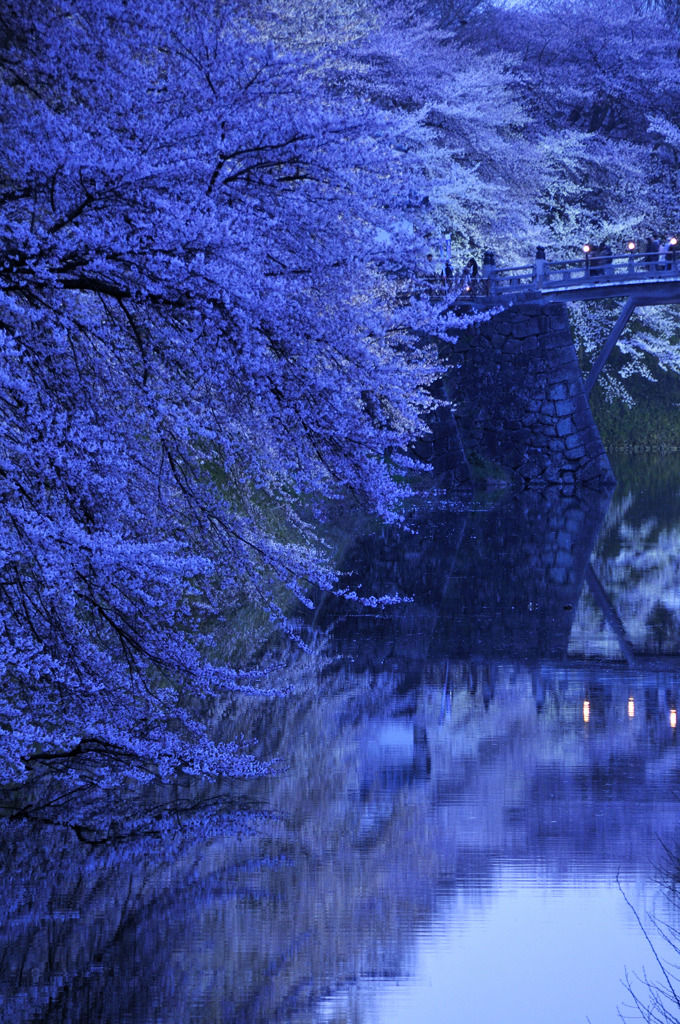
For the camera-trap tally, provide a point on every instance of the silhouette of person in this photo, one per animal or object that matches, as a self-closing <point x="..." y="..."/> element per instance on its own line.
<point x="672" y="253"/>
<point x="472" y="274"/>
<point x="488" y="270"/>
<point x="540" y="266"/>
<point x="651" y="251"/>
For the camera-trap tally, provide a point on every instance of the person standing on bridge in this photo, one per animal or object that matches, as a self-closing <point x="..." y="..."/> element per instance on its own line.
<point x="651" y="252"/>
<point x="605" y="255"/>
<point x="471" y="275"/>
<point x="434" y="276"/>
<point x="593" y="259"/>
<point x="488" y="271"/>
<point x="540" y="266"/>
<point x="669" y="251"/>
<point x="598" y="259"/>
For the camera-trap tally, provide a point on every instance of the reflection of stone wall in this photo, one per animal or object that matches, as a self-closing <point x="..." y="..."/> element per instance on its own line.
<point x="522" y="568"/>
<point x="490" y="583"/>
<point x="519" y="399"/>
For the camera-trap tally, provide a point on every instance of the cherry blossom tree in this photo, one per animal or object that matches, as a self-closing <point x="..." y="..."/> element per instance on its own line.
<point x="204" y="343"/>
<point x="214" y="218"/>
<point x="596" y="84"/>
<point x="599" y="87"/>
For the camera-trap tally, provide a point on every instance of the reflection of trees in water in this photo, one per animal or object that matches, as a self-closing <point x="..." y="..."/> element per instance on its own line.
<point x="249" y="930"/>
<point x="637" y="560"/>
<point x="392" y="798"/>
<point x="662" y="629"/>
<point x="417" y="764"/>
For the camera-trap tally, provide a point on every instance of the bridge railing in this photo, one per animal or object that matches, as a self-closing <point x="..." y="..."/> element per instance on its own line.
<point x="563" y="275"/>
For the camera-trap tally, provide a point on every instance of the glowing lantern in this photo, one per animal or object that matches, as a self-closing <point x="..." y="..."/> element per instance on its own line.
<point x="586" y="710"/>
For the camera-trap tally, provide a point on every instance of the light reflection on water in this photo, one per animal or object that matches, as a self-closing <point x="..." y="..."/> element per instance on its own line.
<point x="471" y="776"/>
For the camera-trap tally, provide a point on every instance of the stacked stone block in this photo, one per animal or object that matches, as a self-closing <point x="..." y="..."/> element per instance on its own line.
<point x="519" y="402"/>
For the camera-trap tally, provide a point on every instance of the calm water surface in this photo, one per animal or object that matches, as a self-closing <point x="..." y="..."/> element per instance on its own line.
<point x="476" y="778"/>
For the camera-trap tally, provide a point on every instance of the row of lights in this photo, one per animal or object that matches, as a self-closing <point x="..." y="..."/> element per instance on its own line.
<point x="631" y="245"/>
<point x="672" y="716"/>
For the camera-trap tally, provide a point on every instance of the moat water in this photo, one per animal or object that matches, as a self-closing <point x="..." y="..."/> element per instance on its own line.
<point x="476" y="808"/>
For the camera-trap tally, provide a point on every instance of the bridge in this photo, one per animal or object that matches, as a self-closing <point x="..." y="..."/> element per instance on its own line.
<point x="648" y="277"/>
<point x="642" y="279"/>
<point x="520" y="403"/>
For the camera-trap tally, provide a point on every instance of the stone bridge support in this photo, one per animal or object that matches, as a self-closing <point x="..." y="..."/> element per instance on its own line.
<point x="519" y="403"/>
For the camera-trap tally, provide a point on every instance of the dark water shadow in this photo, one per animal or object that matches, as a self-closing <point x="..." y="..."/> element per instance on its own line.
<point x="492" y="582"/>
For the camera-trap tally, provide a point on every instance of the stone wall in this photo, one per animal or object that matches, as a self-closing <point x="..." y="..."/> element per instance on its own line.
<point x="519" y="402"/>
